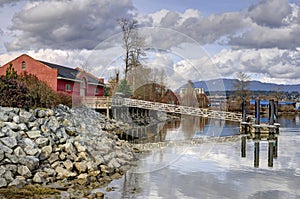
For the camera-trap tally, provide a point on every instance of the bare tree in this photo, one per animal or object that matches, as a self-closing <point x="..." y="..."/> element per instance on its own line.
<point x="85" y="66"/>
<point x="158" y="76"/>
<point x="241" y="86"/>
<point x="133" y="44"/>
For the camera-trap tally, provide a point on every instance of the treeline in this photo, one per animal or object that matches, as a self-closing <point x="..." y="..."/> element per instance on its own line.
<point x="280" y="95"/>
<point x="27" y="91"/>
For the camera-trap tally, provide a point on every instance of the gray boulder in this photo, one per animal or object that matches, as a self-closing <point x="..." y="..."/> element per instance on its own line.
<point x="24" y="171"/>
<point x="30" y="161"/>
<point x="3" y="182"/>
<point x="11" y="142"/>
<point x="33" y="134"/>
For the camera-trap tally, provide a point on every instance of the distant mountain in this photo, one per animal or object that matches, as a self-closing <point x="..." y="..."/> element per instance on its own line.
<point x="227" y="84"/>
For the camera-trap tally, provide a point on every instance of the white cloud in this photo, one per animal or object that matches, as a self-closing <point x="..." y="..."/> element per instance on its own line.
<point x="6" y="2"/>
<point x="264" y="38"/>
<point x="67" y="24"/>
<point x="268" y="24"/>
<point x="275" y="65"/>
<point x="72" y="58"/>
<point x="270" y="13"/>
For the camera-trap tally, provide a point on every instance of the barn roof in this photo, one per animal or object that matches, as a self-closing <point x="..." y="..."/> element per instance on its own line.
<point x="71" y="73"/>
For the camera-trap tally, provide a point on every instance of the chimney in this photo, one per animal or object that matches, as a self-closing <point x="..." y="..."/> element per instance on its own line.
<point x="101" y="80"/>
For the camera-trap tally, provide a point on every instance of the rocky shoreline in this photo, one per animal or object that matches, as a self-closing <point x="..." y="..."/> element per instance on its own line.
<point x="61" y="148"/>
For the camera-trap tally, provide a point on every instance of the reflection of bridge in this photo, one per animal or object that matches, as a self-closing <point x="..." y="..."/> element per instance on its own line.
<point x="106" y="103"/>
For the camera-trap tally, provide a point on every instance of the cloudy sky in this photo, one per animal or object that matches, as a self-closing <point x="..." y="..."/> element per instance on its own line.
<point x="258" y="37"/>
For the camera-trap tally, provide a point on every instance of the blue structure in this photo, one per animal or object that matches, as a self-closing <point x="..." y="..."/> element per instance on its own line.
<point x="298" y="105"/>
<point x="265" y="103"/>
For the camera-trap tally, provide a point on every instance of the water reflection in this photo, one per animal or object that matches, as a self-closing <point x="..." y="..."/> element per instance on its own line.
<point x="289" y="120"/>
<point x="180" y="129"/>
<point x="190" y="125"/>
<point x="185" y="128"/>
<point x="256" y="139"/>
<point x="297" y="120"/>
<point x="274" y="173"/>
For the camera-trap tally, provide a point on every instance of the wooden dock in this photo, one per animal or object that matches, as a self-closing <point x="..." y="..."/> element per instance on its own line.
<point x="256" y="127"/>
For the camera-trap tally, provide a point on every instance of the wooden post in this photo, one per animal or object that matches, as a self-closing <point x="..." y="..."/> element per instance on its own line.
<point x="244" y="111"/>
<point x="275" y="147"/>
<point x="256" y="154"/>
<point x="244" y="124"/>
<point x="270" y="153"/>
<point x="257" y="111"/>
<point x="257" y="116"/>
<point x="271" y="112"/>
<point x="276" y="111"/>
<point x="243" y="147"/>
<point x="272" y="116"/>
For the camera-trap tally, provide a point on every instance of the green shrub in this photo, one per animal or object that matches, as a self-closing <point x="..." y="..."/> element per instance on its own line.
<point x="27" y="91"/>
<point x="14" y="93"/>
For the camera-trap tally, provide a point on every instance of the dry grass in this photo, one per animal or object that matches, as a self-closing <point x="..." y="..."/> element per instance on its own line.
<point x="29" y="191"/>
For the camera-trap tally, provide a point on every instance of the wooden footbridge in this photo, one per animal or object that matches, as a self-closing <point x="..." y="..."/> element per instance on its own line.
<point x="107" y="103"/>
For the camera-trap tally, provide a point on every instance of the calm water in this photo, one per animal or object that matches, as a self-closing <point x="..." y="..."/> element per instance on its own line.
<point x="215" y="168"/>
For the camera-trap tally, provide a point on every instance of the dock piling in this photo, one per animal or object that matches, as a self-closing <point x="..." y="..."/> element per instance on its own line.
<point x="244" y="111"/>
<point x="271" y="112"/>
<point x="256" y="154"/>
<point x="270" y="153"/>
<point x="243" y="147"/>
<point x="257" y="111"/>
<point x="276" y="111"/>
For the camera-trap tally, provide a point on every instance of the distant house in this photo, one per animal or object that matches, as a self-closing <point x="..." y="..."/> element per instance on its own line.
<point x="59" y="78"/>
<point x="298" y="105"/>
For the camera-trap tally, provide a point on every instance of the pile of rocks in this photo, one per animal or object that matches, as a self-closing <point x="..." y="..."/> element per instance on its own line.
<point x="44" y="146"/>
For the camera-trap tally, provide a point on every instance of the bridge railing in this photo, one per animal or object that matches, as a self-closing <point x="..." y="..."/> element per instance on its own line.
<point x="97" y="102"/>
<point x="172" y="108"/>
<point x="106" y="102"/>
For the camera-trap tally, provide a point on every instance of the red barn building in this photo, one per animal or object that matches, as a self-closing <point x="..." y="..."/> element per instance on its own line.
<point x="59" y="78"/>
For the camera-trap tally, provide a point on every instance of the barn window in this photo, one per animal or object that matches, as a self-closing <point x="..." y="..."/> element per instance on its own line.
<point x="23" y="65"/>
<point x="68" y="87"/>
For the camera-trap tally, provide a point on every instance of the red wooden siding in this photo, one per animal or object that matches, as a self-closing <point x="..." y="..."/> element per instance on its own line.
<point x="50" y="76"/>
<point x="44" y="73"/>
